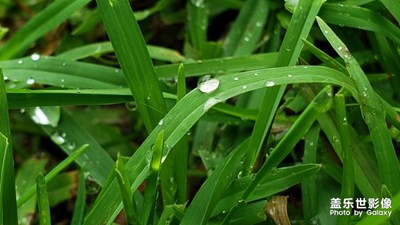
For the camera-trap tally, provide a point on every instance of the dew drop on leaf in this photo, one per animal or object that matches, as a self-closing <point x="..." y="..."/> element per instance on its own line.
<point x="35" y="57"/>
<point x="208" y="84"/>
<point x="270" y="83"/>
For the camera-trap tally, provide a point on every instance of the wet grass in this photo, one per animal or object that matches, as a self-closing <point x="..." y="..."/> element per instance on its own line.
<point x="101" y="110"/>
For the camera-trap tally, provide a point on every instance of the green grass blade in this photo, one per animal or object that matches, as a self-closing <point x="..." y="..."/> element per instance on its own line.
<point x="394" y="7"/>
<point x="309" y="185"/>
<point x="360" y="18"/>
<point x="43" y="200"/>
<point x="49" y="176"/>
<point x="373" y="114"/>
<point x="124" y="33"/>
<point x="24" y="180"/>
<point x="207" y="197"/>
<point x="321" y="103"/>
<point x="246" y="30"/>
<point x="347" y="155"/>
<point x="197" y="22"/>
<point x="80" y="203"/>
<point x="173" y="176"/>
<point x="44" y="22"/>
<point x="8" y="206"/>
<point x="300" y="25"/>
<point x="93" y="50"/>
<point x="69" y="134"/>
<point x="150" y="194"/>
<point x="184" y="114"/>
<point x="126" y="193"/>
<point x="378" y="220"/>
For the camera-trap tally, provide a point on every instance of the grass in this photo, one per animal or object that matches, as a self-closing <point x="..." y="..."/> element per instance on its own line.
<point x="198" y="112"/>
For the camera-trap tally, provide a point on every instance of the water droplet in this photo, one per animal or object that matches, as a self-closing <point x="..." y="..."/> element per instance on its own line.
<point x="161" y="122"/>
<point x="30" y="80"/>
<point x="22" y="110"/>
<point x="247" y="39"/>
<point x="289" y="75"/>
<point x="62" y="83"/>
<point x="236" y="78"/>
<point x="270" y="83"/>
<point x="20" y="62"/>
<point x="131" y="106"/>
<point x="116" y="70"/>
<point x="340" y="48"/>
<point x="71" y="145"/>
<point x="58" y="138"/>
<point x="39" y="117"/>
<point x="287" y="49"/>
<point x="35" y="57"/>
<point x="244" y="87"/>
<point x="259" y="24"/>
<point x="5" y="78"/>
<point x="306" y="67"/>
<point x="255" y="74"/>
<point x="335" y="139"/>
<point x="78" y="90"/>
<point x="326" y="31"/>
<point x="345" y="121"/>
<point x="311" y="143"/>
<point x="208" y="84"/>
<point x="64" y="64"/>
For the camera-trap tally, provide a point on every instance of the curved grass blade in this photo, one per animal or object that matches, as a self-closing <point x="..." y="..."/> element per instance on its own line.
<point x="360" y="18"/>
<point x="8" y="206"/>
<point x="197" y="22"/>
<point x="189" y="110"/>
<point x="373" y="114"/>
<point x="68" y="74"/>
<point x="124" y="33"/>
<point x="44" y="22"/>
<point x="43" y="200"/>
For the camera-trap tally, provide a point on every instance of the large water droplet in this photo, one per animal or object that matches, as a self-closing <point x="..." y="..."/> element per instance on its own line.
<point x="270" y="83"/>
<point x="30" y="80"/>
<point x="35" y="57"/>
<point x="208" y="84"/>
<point x="39" y="117"/>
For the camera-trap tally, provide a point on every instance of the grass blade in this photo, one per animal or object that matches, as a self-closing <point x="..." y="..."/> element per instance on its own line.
<point x="347" y="155"/>
<point x="80" y="203"/>
<point x="309" y="185"/>
<point x="56" y="170"/>
<point x="373" y="114"/>
<point x="124" y="33"/>
<point x="300" y="25"/>
<point x="394" y="7"/>
<point x="246" y="30"/>
<point x="126" y="193"/>
<point x="45" y="21"/>
<point x="43" y="200"/>
<point x="184" y="114"/>
<point x="8" y="206"/>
